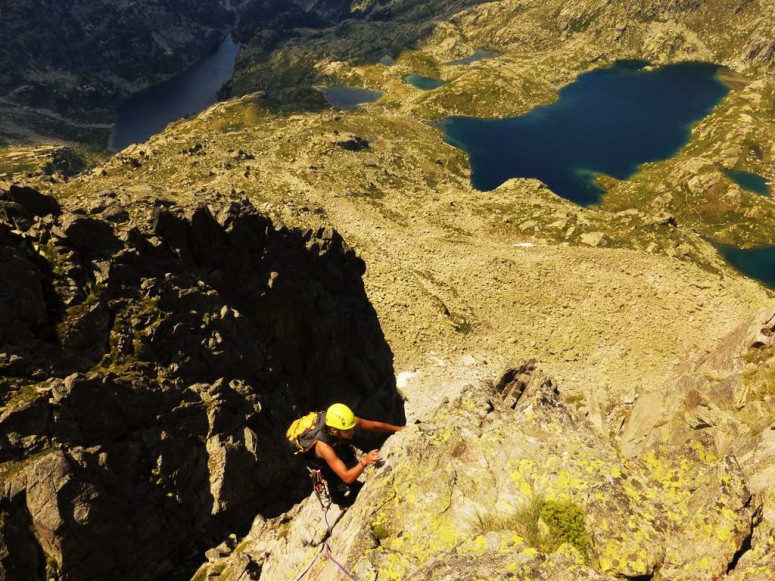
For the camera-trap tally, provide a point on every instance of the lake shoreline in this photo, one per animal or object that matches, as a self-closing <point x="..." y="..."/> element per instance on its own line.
<point x="609" y="121"/>
<point x="147" y="112"/>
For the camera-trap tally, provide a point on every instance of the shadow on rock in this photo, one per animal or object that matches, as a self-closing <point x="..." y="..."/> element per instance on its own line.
<point x="148" y="378"/>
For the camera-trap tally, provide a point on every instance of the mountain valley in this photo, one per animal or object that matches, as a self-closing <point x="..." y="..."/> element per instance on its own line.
<point x="379" y="272"/>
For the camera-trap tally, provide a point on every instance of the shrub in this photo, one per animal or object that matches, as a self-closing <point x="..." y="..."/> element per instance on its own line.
<point x="380" y="532"/>
<point x="566" y="524"/>
<point x="66" y="161"/>
<point x="543" y="524"/>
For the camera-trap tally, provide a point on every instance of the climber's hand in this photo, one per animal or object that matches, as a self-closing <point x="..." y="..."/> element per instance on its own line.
<point x="371" y="458"/>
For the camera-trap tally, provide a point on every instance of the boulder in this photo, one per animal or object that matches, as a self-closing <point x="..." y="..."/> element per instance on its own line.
<point x="20" y="556"/>
<point x="593" y="238"/>
<point x="14" y="214"/>
<point x="86" y="328"/>
<point x="115" y="213"/>
<point x="26" y="423"/>
<point x="353" y="143"/>
<point x="21" y="293"/>
<point x="87" y="234"/>
<point x="33" y="201"/>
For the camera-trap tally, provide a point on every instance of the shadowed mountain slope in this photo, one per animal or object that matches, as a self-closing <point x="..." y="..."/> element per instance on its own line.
<point x="147" y="380"/>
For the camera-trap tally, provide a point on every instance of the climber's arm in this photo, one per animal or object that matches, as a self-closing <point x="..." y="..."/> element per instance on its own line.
<point x="349" y="476"/>
<point x="371" y="426"/>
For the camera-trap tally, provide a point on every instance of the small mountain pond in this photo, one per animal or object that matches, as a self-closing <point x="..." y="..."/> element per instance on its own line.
<point x="348" y="97"/>
<point x="148" y="112"/>
<point x="424" y="83"/>
<point x="756" y="263"/>
<point x="750" y="181"/>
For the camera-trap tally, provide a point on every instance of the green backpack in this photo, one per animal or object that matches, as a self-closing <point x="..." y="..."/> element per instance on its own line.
<point x="304" y="432"/>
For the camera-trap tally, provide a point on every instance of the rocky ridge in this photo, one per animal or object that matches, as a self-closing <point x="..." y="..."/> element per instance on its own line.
<point x="452" y="499"/>
<point x="147" y="379"/>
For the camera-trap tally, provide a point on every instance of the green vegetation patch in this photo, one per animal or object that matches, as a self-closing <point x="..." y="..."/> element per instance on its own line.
<point x="544" y="524"/>
<point x="566" y="524"/>
<point x="12" y="168"/>
<point x="25" y="394"/>
<point x="247" y="112"/>
<point x="284" y="79"/>
<point x="768" y="101"/>
<point x="9" y="469"/>
<point x="380" y="532"/>
<point x="66" y="161"/>
<point x="420" y="63"/>
<point x="584" y="21"/>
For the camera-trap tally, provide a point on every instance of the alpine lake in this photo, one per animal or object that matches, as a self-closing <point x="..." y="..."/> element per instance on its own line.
<point x="148" y="112"/>
<point x="609" y="121"/>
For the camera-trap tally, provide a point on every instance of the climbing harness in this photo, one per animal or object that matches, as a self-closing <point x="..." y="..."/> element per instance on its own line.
<point x="320" y="486"/>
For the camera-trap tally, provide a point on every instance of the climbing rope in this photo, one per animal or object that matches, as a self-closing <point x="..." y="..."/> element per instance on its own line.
<point x="324" y="497"/>
<point x="328" y="550"/>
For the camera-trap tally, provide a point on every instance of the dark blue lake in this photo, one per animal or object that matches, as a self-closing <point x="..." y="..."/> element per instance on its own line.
<point x="149" y="111"/>
<point x="608" y="121"/>
<point x="424" y="83"/>
<point x="750" y="181"/>
<point x="347" y="97"/>
<point x="758" y="263"/>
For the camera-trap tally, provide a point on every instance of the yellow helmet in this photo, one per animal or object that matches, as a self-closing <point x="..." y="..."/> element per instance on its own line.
<point x="341" y="417"/>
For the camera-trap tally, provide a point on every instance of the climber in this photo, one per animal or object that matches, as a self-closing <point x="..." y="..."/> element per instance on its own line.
<point x="325" y="444"/>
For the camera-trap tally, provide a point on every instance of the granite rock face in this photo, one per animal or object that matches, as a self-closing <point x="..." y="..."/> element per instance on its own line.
<point x="450" y="503"/>
<point x="148" y="377"/>
<point x="723" y="404"/>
